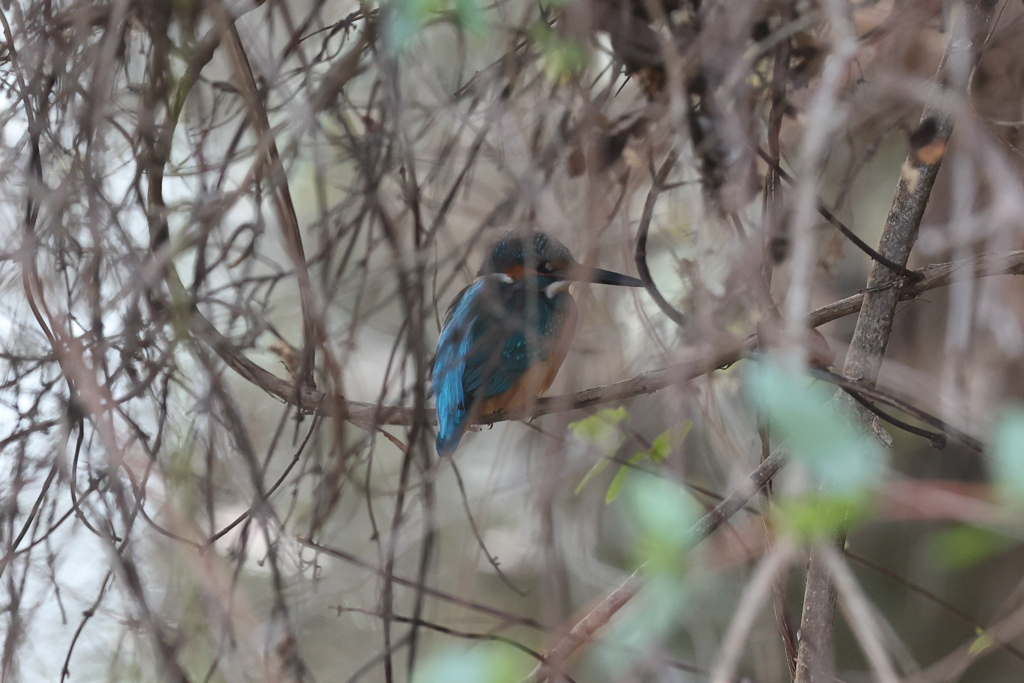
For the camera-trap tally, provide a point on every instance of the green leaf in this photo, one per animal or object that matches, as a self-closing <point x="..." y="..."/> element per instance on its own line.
<point x="1007" y="460"/>
<point x="600" y="428"/>
<point x="983" y="642"/>
<point x="469" y="15"/>
<point x="662" y="515"/>
<point x="660" y="449"/>
<point x="597" y="469"/>
<point x="665" y="442"/>
<point x="644" y="625"/>
<point x="615" y="487"/>
<point x="839" y="455"/>
<point x="964" y="545"/>
<point x="620" y="478"/>
<point x="813" y="516"/>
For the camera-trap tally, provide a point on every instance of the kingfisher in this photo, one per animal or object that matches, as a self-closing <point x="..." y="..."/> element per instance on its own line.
<point x="505" y="336"/>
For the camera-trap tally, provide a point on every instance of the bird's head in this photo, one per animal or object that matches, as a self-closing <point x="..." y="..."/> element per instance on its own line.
<point x="541" y="259"/>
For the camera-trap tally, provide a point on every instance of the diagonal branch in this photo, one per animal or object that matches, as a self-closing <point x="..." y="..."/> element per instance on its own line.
<point x="860" y="615"/>
<point x="827" y="214"/>
<point x="751" y="602"/>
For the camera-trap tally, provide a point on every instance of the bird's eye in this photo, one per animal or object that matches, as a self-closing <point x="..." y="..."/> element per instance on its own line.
<point x="544" y="268"/>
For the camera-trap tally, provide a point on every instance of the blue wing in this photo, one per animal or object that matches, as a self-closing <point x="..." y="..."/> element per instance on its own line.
<point x="502" y="371"/>
<point x="449" y="367"/>
<point x="468" y="366"/>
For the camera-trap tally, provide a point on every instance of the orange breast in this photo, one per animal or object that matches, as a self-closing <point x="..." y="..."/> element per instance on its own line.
<point x="538" y="378"/>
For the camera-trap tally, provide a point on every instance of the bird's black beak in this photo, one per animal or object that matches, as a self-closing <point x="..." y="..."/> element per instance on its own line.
<point x="607" y="277"/>
<point x="582" y="273"/>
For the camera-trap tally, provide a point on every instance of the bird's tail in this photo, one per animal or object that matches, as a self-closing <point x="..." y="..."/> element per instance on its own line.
<point x="447" y="442"/>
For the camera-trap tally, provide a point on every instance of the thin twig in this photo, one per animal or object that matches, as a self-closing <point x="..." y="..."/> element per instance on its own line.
<point x="755" y="595"/>
<point x="468" y="635"/>
<point x="928" y="595"/>
<point x="289" y="222"/>
<point x="951" y="667"/>
<point x="491" y="559"/>
<point x="827" y="214"/>
<point x="408" y="583"/>
<point x="87" y="614"/>
<point x="860" y="617"/>
<point x="640" y="253"/>
<point x="859" y="390"/>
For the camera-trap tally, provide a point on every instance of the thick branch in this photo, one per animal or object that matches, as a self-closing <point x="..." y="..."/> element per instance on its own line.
<point x="874" y="324"/>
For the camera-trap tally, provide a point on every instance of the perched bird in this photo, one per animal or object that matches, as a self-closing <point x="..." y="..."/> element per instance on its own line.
<point x="505" y="336"/>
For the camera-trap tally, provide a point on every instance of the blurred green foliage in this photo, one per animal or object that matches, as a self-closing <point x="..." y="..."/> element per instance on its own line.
<point x="485" y="663"/>
<point x="965" y="545"/>
<point x="841" y="458"/>
<point x="561" y="59"/>
<point x="660" y="514"/>
<point x="600" y="429"/>
<point x="408" y="17"/>
<point x="1007" y="457"/>
<point x="812" y="515"/>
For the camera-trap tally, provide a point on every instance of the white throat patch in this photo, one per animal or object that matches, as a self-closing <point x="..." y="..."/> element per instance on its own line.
<point x="555" y="287"/>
